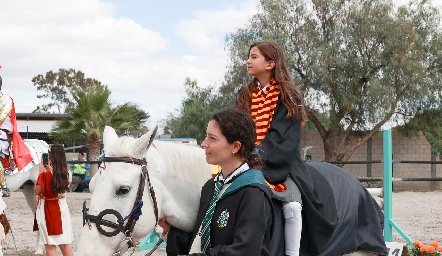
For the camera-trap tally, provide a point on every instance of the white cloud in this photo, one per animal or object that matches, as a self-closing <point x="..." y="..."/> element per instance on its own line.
<point x="134" y="61"/>
<point x="202" y="33"/>
<point x="81" y="34"/>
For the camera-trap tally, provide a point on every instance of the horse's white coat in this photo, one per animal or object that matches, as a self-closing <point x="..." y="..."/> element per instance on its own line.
<point x="15" y="181"/>
<point x="177" y="173"/>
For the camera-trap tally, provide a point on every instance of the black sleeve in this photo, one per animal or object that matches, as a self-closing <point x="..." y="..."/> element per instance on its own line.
<point x="279" y="148"/>
<point x="178" y="242"/>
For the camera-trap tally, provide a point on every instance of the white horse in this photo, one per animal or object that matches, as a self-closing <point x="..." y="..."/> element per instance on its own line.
<point x="176" y="174"/>
<point x="25" y="179"/>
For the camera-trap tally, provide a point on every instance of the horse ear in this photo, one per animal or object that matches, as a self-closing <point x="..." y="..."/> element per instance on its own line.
<point x="109" y="135"/>
<point x="143" y="143"/>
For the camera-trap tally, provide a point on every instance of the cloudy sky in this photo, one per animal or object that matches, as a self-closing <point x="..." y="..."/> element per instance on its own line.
<point x="142" y="49"/>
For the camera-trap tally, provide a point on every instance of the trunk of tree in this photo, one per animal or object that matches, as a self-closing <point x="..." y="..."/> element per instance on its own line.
<point x="329" y="147"/>
<point x="94" y="153"/>
<point x="330" y="139"/>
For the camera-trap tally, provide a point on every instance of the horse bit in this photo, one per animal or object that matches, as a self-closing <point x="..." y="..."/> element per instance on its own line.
<point x="133" y="215"/>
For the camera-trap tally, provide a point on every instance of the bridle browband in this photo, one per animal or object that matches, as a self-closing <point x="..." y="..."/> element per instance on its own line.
<point x="136" y="210"/>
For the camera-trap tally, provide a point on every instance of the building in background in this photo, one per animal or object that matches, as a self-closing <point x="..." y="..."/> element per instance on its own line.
<point x="36" y="125"/>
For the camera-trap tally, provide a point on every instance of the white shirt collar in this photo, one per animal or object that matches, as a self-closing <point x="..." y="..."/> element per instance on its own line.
<point x="242" y="168"/>
<point x="263" y="88"/>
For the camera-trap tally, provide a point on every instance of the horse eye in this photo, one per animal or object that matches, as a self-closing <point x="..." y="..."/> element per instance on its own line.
<point x="123" y="190"/>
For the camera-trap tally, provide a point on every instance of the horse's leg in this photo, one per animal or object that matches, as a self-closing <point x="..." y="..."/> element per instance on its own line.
<point x="28" y="192"/>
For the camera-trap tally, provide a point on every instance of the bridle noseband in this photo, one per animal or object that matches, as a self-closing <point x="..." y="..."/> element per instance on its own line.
<point x="136" y="210"/>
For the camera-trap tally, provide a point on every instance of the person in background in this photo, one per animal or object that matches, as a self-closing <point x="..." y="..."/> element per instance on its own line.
<point x="52" y="215"/>
<point x="13" y="151"/>
<point x="235" y="215"/>
<point x="80" y="169"/>
<point x="79" y="172"/>
<point x="276" y="107"/>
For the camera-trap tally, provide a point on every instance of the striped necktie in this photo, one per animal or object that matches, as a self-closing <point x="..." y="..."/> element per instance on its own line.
<point x="205" y="227"/>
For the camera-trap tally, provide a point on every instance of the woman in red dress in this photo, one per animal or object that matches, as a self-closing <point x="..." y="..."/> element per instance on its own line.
<point x="53" y="219"/>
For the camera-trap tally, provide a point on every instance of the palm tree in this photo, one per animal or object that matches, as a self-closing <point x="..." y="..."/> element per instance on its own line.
<point x="91" y="112"/>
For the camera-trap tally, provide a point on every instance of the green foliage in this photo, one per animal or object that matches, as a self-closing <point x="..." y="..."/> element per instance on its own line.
<point x="359" y="63"/>
<point x="58" y="87"/>
<point x="194" y="113"/>
<point x="325" y="121"/>
<point x="429" y="122"/>
<point x="90" y="112"/>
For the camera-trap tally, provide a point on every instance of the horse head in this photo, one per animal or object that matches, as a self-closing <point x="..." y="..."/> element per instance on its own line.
<point x="139" y="181"/>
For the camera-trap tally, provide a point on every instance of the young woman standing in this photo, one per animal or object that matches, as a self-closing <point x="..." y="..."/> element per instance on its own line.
<point x="53" y="218"/>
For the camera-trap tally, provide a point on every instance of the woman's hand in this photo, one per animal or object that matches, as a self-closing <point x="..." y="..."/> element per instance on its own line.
<point x="163" y="223"/>
<point x="43" y="167"/>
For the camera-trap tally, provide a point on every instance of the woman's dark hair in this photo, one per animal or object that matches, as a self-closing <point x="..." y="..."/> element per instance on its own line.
<point x="60" y="173"/>
<point x="272" y="51"/>
<point x="237" y="125"/>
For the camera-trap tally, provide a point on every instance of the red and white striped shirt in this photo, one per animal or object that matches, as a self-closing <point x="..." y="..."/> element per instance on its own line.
<point x="263" y="107"/>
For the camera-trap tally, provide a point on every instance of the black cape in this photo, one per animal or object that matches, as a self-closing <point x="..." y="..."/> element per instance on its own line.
<point x="339" y="214"/>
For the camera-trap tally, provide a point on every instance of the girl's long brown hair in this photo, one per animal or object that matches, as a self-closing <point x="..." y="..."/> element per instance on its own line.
<point x="272" y="51"/>
<point x="60" y="172"/>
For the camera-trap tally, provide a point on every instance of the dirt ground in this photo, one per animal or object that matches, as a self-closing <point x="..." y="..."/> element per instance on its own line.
<point x="419" y="214"/>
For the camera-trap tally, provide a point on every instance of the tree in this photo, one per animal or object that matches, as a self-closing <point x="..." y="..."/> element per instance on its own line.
<point x="90" y="112"/>
<point x="194" y="113"/>
<point x="58" y="87"/>
<point x="359" y="63"/>
<point x="429" y="123"/>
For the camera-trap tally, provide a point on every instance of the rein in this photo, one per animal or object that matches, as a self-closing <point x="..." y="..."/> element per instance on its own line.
<point x="136" y="210"/>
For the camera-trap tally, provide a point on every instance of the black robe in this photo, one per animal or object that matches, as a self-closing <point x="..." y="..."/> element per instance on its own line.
<point x="247" y="229"/>
<point x="339" y="215"/>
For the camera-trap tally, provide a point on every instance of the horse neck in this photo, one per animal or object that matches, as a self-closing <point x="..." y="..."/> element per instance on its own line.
<point x="183" y="161"/>
<point x="177" y="174"/>
<point x="178" y="200"/>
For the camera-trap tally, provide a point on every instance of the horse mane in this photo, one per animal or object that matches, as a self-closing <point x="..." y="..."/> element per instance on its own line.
<point x="186" y="162"/>
<point x="36" y="148"/>
<point x="122" y="147"/>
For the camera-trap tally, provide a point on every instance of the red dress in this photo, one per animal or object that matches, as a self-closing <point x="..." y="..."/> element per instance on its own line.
<point x="51" y="206"/>
<point x="52" y="214"/>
